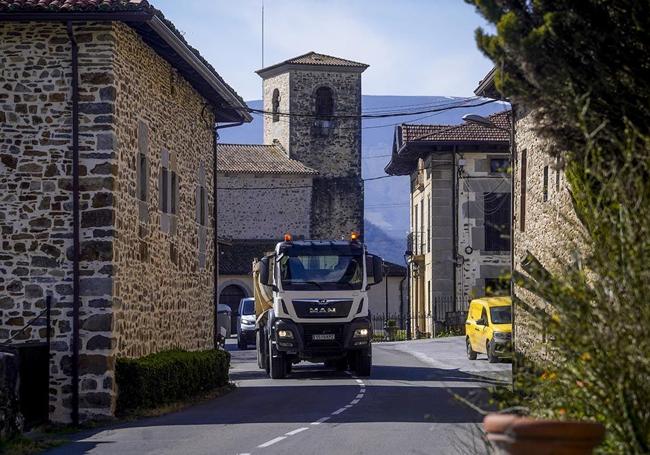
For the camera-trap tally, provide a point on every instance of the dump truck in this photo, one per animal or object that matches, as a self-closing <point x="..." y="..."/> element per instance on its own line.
<point x="311" y="304"/>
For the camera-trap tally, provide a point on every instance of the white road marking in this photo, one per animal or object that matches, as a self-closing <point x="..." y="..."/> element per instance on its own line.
<point x="321" y="420"/>
<point x="271" y="442"/>
<point x="362" y="390"/>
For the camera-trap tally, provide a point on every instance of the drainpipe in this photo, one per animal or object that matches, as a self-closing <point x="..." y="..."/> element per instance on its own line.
<point x="76" y="303"/>
<point x="454" y="214"/>
<point x="513" y="159"/>
<point x="215" y="241"/>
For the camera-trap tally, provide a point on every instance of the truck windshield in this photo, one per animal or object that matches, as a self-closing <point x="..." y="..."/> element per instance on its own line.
<point x="330" y="270"/>
<point x="501" y="314"/>
<point x="248" y="307"/>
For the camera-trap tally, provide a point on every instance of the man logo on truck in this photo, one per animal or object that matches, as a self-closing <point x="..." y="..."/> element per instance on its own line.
<point x="322" y="310"/>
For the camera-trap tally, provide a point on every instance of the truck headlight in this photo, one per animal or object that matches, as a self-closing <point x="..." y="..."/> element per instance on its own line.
<point x="361" y="333"/>
<point x="285" y="334"/>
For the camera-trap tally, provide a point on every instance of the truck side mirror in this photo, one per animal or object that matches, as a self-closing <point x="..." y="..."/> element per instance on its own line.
<point x="265" y="266"/>
<point x="378" y="269"/>
<point x="375" y="266"/>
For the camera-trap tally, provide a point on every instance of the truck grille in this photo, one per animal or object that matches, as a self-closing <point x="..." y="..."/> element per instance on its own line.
<point x="317" y="308"/>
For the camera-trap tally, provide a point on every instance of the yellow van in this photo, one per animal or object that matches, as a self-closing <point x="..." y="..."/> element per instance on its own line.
<point x="488" y="329"/>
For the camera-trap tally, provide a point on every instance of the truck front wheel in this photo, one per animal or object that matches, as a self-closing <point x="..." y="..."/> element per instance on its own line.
<point x="363" y="361"/>
<point x="277" y="363"/>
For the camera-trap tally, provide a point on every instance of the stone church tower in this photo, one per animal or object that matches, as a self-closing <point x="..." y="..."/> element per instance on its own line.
<point x="314" y="102"/>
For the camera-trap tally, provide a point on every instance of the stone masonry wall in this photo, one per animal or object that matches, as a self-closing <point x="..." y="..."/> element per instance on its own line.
<point x="263" y="214"/>
<point x="337" y="199"/>
<point x="477" y="263"/>
<point x="546" y="233"/>
<point x="36" y="200"/>
<point x="162" y="296"/>
<point x="277" y="130"/>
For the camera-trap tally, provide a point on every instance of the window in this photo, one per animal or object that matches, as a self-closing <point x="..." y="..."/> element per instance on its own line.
<point x="497" y="287"/>
<point x="522" y="202"/>
<point x="415" y="228"/>
<point x="142" y="178"/>
<point x="483" y="317"/>
<point x="324" y="110"/>
<point x="421" y="225"/>
<point x="496" y="207"/>
<point x="202" y="216"/>
<point x="142" y="171"/>
<point x="168" y="185"/>
<point x="545" y="185"/>
<point x="429" y="225"/>
<point x="275" y="105"/>
<point x="174" y="193"/>
<point x="202" y="205"/>
<point x="499" y="165"/>
<point x="143" y="161"/>
<point x="324" y="103"/>
<point x="164" y="190"/>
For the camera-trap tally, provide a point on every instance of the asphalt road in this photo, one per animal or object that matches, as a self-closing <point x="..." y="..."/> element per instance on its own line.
<point x="406" y="406"/>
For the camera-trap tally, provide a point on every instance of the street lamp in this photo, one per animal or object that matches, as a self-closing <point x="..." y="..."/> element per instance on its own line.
<point x="487" y="123"/>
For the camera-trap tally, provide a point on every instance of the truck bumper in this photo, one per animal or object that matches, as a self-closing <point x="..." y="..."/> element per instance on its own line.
<point x="317" y="342"/>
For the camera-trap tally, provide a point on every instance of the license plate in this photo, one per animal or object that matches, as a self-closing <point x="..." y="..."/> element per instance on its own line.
<point x="322" y="336"/>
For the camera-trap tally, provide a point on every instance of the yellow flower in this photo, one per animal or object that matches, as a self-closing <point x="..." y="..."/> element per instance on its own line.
<point x="585" y="357"/>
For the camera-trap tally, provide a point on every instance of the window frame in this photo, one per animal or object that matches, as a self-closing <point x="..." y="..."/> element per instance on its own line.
<point x="275" y="105"/>
<point x="495" y="239"/>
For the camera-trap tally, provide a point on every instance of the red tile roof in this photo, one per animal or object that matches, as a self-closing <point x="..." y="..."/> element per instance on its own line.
<point x="463" y="132"/>
<point x="258" y="159"/>
<point x="414" y="141"/>
<point x="73" y="5"/>
<point x="314" y="58"/>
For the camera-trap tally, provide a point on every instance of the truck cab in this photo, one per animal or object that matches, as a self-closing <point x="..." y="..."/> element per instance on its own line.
<point x="317" y="307"/>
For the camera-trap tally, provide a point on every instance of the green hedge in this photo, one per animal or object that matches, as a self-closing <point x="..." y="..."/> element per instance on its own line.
<point x="169" y="376"/>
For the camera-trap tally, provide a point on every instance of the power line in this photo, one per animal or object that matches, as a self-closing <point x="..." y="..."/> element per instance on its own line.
<point x="299" y="186"/>
<point x="369" y="116"/>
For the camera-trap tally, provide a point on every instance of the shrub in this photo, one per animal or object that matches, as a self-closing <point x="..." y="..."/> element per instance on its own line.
<point x="169" y="376"/>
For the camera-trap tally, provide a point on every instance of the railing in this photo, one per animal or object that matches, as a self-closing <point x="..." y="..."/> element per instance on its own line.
<point x="446" y="317"/>
<point x="415" y="242"/>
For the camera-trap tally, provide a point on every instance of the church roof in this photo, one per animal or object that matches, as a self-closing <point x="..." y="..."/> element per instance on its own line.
<point x="316" y="59"/>
<point x="258" y="159"/>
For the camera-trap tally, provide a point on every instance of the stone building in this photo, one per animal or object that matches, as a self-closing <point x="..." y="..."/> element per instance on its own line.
<point x="306" y="177"/>
<point x="543" y="220"/>
<point x="460" y="211"/>
<point x="106" y="154"/>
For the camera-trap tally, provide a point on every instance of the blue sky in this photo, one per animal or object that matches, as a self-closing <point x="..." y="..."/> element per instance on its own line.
<point x="413" y="47"/>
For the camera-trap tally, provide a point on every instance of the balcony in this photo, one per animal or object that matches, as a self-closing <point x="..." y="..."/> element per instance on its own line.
<point x="415" y="244"/>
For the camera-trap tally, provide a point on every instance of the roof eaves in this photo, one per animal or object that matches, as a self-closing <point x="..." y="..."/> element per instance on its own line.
<point x="187" y="53"/>
<point x="139" y="13"/>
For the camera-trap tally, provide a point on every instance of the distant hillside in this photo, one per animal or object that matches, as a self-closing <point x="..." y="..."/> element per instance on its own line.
<point x="387" y="212"/>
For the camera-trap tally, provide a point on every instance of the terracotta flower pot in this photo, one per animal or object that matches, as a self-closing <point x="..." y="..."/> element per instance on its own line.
<point x="517" y="435"/>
